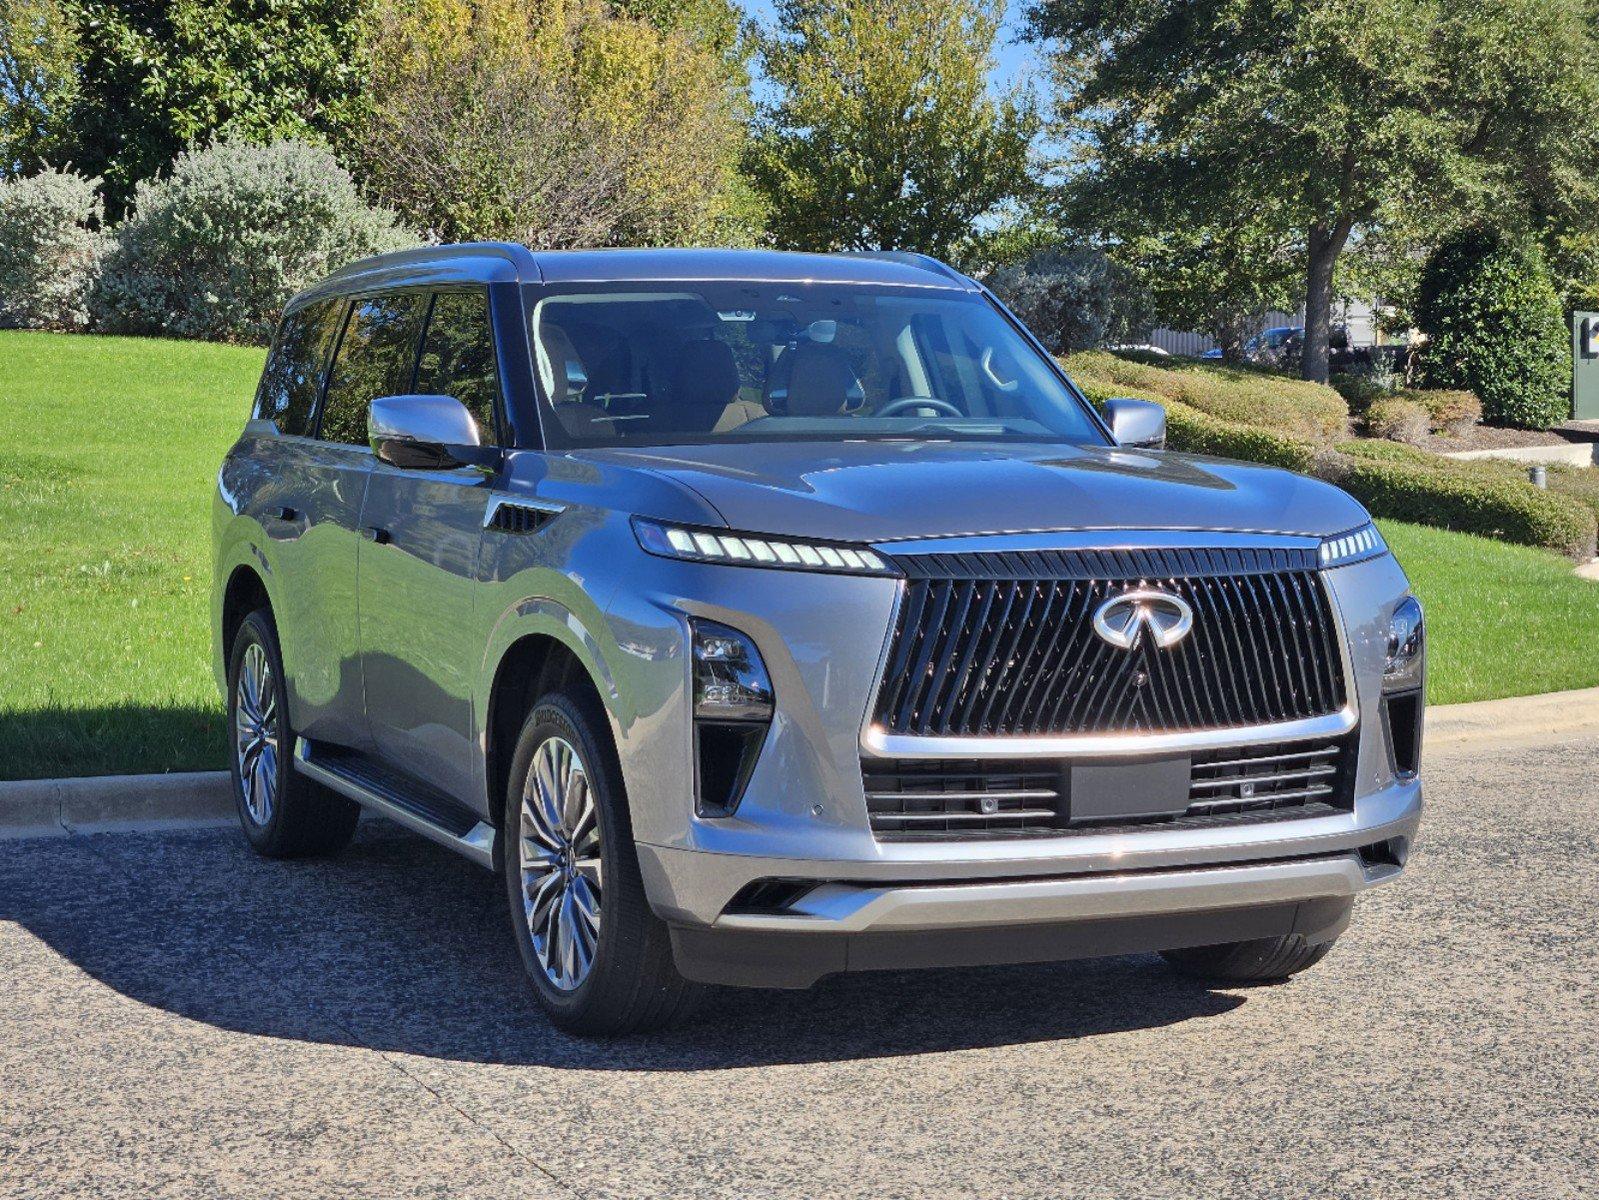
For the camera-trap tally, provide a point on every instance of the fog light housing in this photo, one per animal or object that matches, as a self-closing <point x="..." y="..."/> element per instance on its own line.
<point x="733" y="705"/>
<point x="1403" y="671"/>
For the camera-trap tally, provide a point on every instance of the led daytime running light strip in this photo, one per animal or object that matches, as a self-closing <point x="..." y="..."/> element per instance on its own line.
<point x="740" y="549"/>
<point x="1364" y="542"/>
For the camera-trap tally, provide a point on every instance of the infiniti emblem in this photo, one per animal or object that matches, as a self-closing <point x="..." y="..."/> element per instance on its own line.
<point x="1122" y="619"/>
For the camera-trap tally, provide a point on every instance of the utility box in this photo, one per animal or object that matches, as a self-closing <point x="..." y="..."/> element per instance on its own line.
<point x="1585" y="366"/>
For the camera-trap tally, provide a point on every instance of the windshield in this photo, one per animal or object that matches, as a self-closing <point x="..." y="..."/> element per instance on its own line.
<point x="646" y="364"/>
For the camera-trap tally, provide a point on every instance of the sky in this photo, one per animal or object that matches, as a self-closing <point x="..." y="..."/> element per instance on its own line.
<point x="1010" y="59"/>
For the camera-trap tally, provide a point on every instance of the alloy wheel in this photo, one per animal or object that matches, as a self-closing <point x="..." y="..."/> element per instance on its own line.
<point x="256" y="733"/>
<point x="559" y="850"/>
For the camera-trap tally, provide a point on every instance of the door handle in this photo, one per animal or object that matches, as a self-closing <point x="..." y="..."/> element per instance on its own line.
<point x="378" y="537"/>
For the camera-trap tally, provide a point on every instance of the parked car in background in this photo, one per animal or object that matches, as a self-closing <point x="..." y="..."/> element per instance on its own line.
<point x="1270" y="347"/>
<point x="762" y="616"/>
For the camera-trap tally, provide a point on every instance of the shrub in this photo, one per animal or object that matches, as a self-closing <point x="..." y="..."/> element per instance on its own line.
<point x="49" y="250"/>
<point x="1451" y="411"/>
<point x="1358" y="389"/>
<point x="1064" y="298"/>
<point x="1481" y="497"/>
<point x="1198" y="433"/>
<point x="1495" y="326"/>
<point x="1398" y="419"/>
<point x="1245" y="395"/>
<point x="216" y="248"/>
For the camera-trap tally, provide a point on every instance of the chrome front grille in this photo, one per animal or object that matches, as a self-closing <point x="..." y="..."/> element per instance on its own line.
<point x="1263" y="777"/>
<point x="967" y="799"/>
<point x="962" y="798"/>
<point x="1003" y="644"/>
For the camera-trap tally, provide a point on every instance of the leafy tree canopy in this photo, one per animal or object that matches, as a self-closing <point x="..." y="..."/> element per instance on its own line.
<point x="158" y="76"/>
<point x="38" y="84"/>
<point x="1297" y="123"/>
<point x="883" y="133"/>
<point x="556" y="124"/>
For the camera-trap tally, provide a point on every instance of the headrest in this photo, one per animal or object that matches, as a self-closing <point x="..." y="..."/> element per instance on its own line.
<point x="570" y="379"/>
<point x="819" y="380"/>
<point x="704" y="374"/>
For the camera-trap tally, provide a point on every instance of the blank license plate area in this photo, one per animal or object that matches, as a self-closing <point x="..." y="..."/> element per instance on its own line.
<point x="1127" y="788"/>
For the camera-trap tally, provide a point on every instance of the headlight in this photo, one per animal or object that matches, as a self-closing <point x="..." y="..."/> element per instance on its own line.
<point x="1402" y="665"/>
<point x="733" y="703"/>
<point x="1354" y="546"/>
<point x="750" y="550"/>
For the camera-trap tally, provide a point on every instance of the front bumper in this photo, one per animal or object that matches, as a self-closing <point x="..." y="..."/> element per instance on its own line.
<point x="880" y="903"/>
<point x="855" y="927"/>
<point x="1105" y="894"/>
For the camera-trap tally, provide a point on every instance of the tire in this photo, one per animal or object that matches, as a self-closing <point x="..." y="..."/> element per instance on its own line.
<point x="1267" y="960"/>
<point x="284" y="814"/>
<point x="613" y="974"/>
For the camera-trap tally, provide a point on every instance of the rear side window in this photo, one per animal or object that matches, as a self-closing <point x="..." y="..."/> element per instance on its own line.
<point x="374" y="359"/>
<point x="458" y="356"/>
<point x="293" y="374"/>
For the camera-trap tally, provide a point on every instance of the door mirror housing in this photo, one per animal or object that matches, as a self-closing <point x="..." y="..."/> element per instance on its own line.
<point x="1138" y="424"/>
<point x="426" y="433"/>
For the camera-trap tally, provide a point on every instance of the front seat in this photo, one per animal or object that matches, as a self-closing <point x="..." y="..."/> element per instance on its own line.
<point x="568" y="383"/>
<point x="704" y="392"/>
<point x="812" y="379"/>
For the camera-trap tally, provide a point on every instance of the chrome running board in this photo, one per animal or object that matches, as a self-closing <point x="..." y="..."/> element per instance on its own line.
<point x="433" y="815"/>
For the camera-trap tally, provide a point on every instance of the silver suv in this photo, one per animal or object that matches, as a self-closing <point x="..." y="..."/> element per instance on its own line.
<point x="762" y="616"/>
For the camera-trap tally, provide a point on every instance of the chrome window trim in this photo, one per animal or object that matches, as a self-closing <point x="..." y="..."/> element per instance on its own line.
<point x="878" y="743"/>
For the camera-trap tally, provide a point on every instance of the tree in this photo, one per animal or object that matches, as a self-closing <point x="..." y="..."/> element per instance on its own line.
<point x="38" y="84"/>
<point x="160" y="76"/>
<point x="1494" y="325"/>
<point x="1074" y="299"/>
<point x="556" y="125"/>
<point x="1309" y="123"/>
<point x="883" y="133"/>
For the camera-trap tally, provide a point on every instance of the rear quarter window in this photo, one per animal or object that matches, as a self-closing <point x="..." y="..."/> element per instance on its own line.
<point x="293" y="374"/>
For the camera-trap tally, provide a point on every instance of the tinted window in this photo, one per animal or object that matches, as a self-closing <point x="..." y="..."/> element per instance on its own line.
<point x="758" y="361"/>
<point x="458" y="356"/>
<point x="374" y="359"/>
<point x="293" y="374"/>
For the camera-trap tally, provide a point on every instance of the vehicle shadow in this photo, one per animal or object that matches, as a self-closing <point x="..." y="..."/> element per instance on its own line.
<point x="397" y="945"/>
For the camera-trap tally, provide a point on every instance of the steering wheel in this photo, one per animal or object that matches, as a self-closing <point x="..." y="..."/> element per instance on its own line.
<point x="894" y="406"/>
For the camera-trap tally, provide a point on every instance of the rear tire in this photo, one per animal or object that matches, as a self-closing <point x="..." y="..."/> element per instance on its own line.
<point x="599" y="960"/>
<point x="284" y="814"/>
<point x="1266" y="960"/>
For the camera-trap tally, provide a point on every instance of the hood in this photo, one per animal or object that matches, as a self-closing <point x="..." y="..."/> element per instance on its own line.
<point x="886" y="491"/>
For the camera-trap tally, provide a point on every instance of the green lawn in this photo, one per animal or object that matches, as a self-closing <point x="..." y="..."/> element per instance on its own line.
<point x="109" y="449"/>
<point x="108" y="455"/>
<point x="1501" y="620"/>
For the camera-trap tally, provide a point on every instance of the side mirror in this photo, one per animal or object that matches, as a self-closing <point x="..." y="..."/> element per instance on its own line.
<point x="426" y="433"/>
<point x="1136" y="423"/>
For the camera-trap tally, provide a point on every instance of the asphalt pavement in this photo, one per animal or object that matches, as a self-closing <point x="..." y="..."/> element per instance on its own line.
<point x="179" y="1018"/>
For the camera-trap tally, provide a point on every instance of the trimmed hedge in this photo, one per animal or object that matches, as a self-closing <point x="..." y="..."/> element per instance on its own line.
<point x="1398" y="419"/>
<point x="1247" y="395"/>
<point x="1480" y="497"/>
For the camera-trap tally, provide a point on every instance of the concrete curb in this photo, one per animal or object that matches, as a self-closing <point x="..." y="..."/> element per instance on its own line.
<point x="60" y="807"/>
<point x="1517" y="718"/>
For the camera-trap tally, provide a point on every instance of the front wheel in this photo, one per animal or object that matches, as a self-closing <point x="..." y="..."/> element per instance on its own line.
<point x="1265" y="960"/>
<point x="599" y="960"/>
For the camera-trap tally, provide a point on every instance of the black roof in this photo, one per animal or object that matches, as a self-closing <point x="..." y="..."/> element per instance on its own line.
<point x="508" y="262"/>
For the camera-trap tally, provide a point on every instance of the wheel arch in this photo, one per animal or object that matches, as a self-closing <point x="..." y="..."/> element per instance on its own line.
<point x="548" y="649"/>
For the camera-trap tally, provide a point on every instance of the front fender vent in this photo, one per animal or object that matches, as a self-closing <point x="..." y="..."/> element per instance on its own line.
<point x="509" y="517"/>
